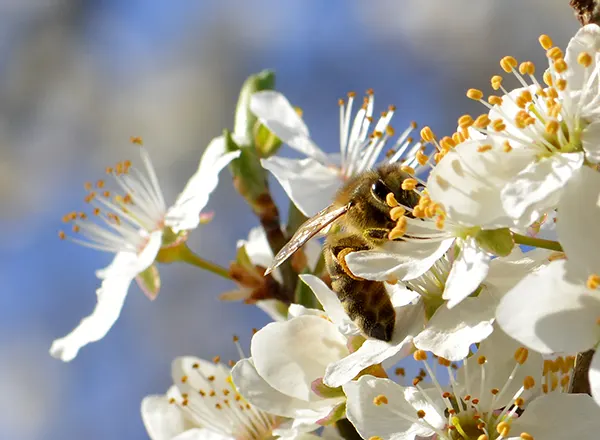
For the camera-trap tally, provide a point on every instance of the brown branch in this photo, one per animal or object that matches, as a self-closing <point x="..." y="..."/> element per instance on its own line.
<point x="586" y="11"/>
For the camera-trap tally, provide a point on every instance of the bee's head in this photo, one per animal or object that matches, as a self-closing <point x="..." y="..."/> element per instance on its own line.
<point x="367" y="194"/>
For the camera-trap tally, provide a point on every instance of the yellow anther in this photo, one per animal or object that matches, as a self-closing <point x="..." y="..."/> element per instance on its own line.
<point x="420" y="414"/>
<point x="565" y="380"/>
<point x="494" y="391"/>
<point x="503" y="428"/>
<point x="136" y="140"/>
<point x="498" y="125"/>
<point x="75" y="228"/>
<point x="560" y="65"/>
<point x="548" y="78"/>
<point x="184" y="379"/>
<point x="584" y="59"/>
<point x="545" y="41"/>
<point x="495" y="100"/>
<point x="520" y="402"/>
<point x="375" y="437"/>
<point x="506" y="147"/>
<point x="474" y="94"/>
<point x="552" y="94"/>
<point x="528" y="382"/>
<point x="552" y="127"/>
<point x="527" y="67"/>
<point x="526" y="436"/>
<point x="422" y="158"/>
<point x="465" y="121"/>
<point x="508" y="64"/>
<point x="380" y="400"/>
<point x="561" y="84"/>
<point x="389" y="130"/>
<point x="483" y="437"/>
<point x="521" y="355"/>
<point x="427" y="134"/>
<point x="458" y="138"/>
<point x="482" y="121"/>
<point x="62" y="235"/>
<point x="396" y="233"/>
<point x="391" y="201"/>
<point x="341" y="102"/>
<point x="400" y="371"/>
<point x="409" y="184"/>
<point x="417" y="380"/>
<point x="496" y="82"/>
<point x="593" y="282"/>
<point x="420" y="355"/>
<point x="397" y="212"/>
<point x="407" y="169"/>
<point x="392" y="280"/>
<point x="554" y="53"/>
<point x="447" y="143"/>
<point x="481" y="360"/>
<point x="484" y="148"/>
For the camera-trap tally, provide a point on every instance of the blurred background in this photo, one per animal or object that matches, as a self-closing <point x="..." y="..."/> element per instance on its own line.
<point x="78" y="77"/>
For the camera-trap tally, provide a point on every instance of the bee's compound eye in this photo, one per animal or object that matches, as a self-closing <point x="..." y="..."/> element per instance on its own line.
<point x="380" y="190"/>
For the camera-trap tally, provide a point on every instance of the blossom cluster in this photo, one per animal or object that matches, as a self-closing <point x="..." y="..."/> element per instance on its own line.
<point x="485" y="253"/>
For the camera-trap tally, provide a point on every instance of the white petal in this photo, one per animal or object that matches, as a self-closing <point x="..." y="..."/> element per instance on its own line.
<point x="397" y="259"/>
<point x="548" y="314"/>
<point x="468" y="183"/>
<point x="579" y="217"/>
<point x="162" y="420"/>
<point x="308" y="183"/>
<point x="506" y="272"/>
<point x="499" y="350"/>
<point x="409" y="321"/>
<point x="331" y="305"/>
<point x="587" y="40"/>
<point x="590" y="139"/>
<point x="260" y="394"/>
<point x="467" y="273"/>
<point x="537" y="189"/>
<point x="382" y="420"/>
<point x="196" y="371"/>
<point x="560" y="416"/>
<point x="451" y="332"/>
<point x="110" y="298"/>
<point x="185" y="213"/>
<point x="594" y="378"/>
<point x="276" y="113"/>
<point x="290" y="355"/>
<point x="257" y="247"/>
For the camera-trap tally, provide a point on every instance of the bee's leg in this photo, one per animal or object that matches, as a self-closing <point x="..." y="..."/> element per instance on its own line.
<point x="366" y="302"/>
<point x="376" y="234"/>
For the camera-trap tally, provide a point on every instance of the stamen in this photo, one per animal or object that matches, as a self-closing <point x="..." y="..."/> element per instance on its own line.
<point x="593" y="282"/>
<point x="474" y="94"/>
<point x="508" y="63"/>
<point x="391" y="201"/>
<point x="584" y="59"/>
<point x="545" y="41"/>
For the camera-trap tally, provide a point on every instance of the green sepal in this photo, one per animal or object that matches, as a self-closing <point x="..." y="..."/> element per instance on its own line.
<point x="496" y="241"/>
<point x="322" y="390"/>
<point x="149" y="281"/>
<point x="249" y="177"/>
<point x="337" y="413"/>
<point x="245" y="121"/>
<point x="266" y="142"/>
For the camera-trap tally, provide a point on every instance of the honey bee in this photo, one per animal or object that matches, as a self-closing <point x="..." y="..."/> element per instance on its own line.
<point x="360" y="220"/>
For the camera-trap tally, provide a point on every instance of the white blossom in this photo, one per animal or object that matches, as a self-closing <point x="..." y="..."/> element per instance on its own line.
<point x="203" y="404"/>
<point x="134" y="225"/>
<point x="311" y="183"/>
<point x="485" y="397"/>
<point x="537" y="139"/>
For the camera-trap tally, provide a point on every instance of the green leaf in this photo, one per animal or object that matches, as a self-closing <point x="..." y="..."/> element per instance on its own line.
<point x="149" y="282"/>
<point x="497" y="241"/>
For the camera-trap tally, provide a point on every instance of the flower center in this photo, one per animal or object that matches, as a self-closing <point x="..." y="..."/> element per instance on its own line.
<point x="120" y="220"/>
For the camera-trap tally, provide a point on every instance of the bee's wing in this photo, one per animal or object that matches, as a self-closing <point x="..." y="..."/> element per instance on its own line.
<point x="306" y="231"/>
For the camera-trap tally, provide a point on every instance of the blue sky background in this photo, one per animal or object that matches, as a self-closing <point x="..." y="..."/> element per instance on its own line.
<point x="77" y="78"/>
